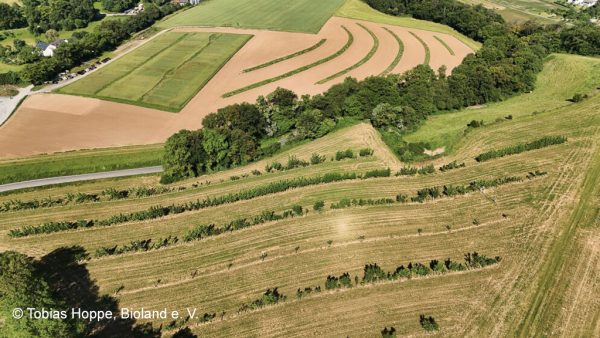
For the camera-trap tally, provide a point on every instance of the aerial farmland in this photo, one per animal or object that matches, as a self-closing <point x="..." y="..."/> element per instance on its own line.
<point x="266" y="168"/>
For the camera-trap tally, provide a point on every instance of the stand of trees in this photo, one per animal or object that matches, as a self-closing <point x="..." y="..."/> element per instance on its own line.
<point x="42" y="15"/>
<point x="11" y="16"/>
<point x="118" y="5"/>
<point x="84" y="46"/>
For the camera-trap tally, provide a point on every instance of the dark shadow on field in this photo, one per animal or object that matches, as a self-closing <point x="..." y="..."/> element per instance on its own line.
<point x="70" y="281"/>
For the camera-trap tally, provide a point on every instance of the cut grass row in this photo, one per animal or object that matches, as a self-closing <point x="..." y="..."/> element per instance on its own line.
<point x="425" y="47"/>
<point x="287" y="57"/>
<point x="444" y="44"/>
<point x="359" y="63"/>
<point x="349" y="42"/>
<point x="399" y="54"/>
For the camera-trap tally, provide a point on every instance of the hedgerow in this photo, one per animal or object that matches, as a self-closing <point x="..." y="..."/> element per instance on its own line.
<point x="137" y="245"/>
<point x="452" y="190"/>
<point x="373" y="273"/>
<point x="543" y="142"/>
<point x="79" y="198"/>
<point x="346" y="202"/>
<point x="161" y="211"/>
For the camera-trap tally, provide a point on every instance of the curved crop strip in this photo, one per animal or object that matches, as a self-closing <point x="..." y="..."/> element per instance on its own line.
<point x="427" y="52"/>
<point x="298" y="70"/>
<point x="444" y="44"/>
<point x="396" y="61"/>
<point x="359" y="63"/>
<point x="287" y="57"/>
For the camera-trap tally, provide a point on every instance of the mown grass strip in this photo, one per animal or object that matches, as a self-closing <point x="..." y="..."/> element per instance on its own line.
<point x="396" y="61"/>
<point x="298" y="70"/>
<point x="359" y="63"/>
<point x="427" y="51"/>
<point x="444" y="44"/>
<point x="287" y="57"/>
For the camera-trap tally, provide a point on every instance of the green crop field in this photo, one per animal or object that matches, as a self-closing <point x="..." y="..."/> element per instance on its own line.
<point x="522" y="10"/>
<point x="293" y="16"/>
<point x="543" y="225"/>
<point x="164" y="73"/>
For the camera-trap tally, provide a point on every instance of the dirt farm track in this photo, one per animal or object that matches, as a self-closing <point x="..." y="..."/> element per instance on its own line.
<point x="48" y="123"/>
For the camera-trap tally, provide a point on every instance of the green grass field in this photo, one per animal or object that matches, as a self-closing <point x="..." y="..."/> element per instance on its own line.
<point x="562" y="77"/>
<point x="293" y="16"/>
<point x="79" y="162"/>
<point x="164" y="73"/>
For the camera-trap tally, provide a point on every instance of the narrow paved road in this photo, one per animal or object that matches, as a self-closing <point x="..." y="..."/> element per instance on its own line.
<point x="77" y="178"/>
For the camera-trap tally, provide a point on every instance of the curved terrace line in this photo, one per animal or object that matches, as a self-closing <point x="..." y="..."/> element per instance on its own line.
<point x="396" y="61"/>
<point x="445" y="45"/>
<point x="349" y="43"/>
<point x="427" y="51"/>
<point x="359" y="63"/>
<point x="287" y="57"/>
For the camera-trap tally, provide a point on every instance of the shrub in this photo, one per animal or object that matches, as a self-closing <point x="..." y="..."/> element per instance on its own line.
<point x="275" y="166"/>
<point x="388" y="333"/>
<point x="298" y="210"/>
<point x="341" y="155"/>
<point x="428" y="169"/>
<point x="475" y="124"/>
<point x="378" y="173"/>
<point x="319" y="205"/>
<point x="407" y="171"/>
<point x="365" y="152"/>
<point x="294" y="162"/>
<point x="256" y="172"/>
<point x="270" y="297"/>
<point x="452" y="165"/>
<point x="316" y="159"/>
<point x="428" y="323"/>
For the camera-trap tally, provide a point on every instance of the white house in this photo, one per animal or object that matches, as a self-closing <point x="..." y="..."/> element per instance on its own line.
<point x="48" y="49"/>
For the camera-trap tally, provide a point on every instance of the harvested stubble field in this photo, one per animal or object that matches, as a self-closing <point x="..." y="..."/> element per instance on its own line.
<point x="544" y="228"/>
<point x="60" y="123"/>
